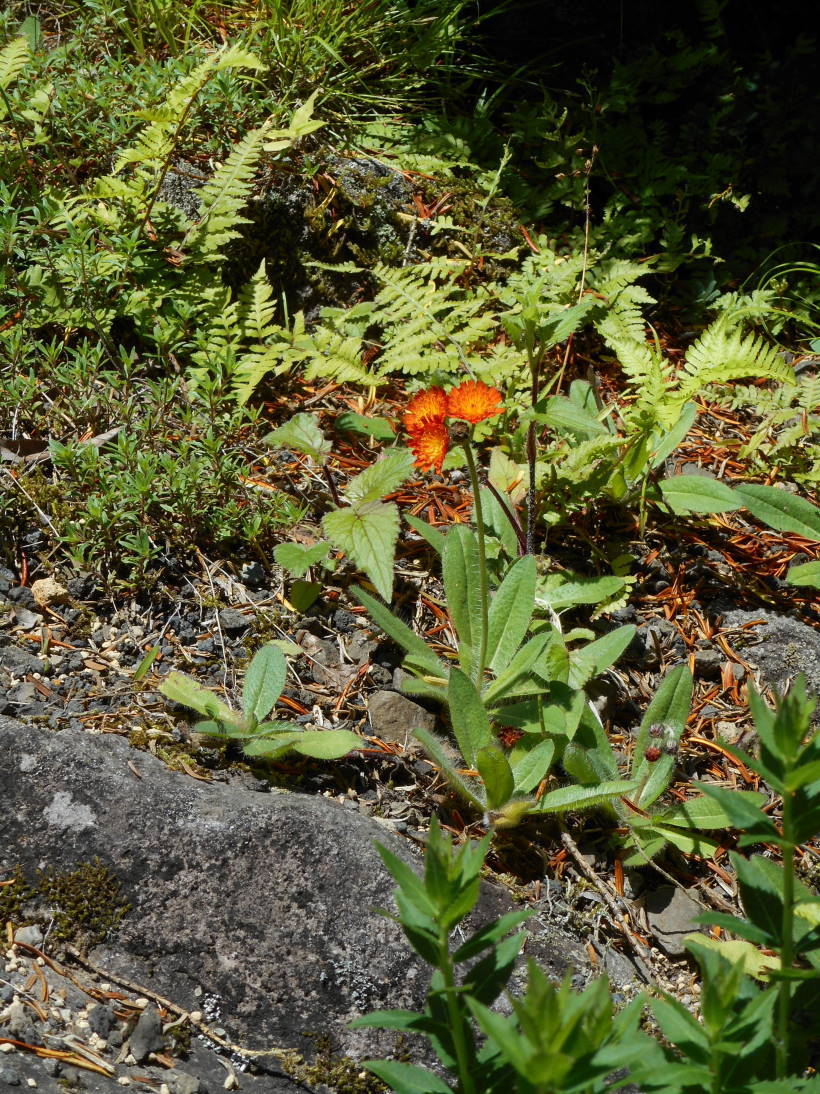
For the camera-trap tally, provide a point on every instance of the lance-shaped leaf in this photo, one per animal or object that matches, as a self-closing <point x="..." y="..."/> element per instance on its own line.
<point x="470" y="789"/>
<point x="264" y="681"/>
<point x="182" y="689"/>
<point x="698" y="494"/>
<point x="510" y="613"/>
<point x="592" y="659"/>
<point x="462" y="584"/>
<point x="496" y="774"/>
<point x="781" y="510"/>
<point x="583" y="797"/>
<point x="471" y="726"/>
<point x="423" y="657"/>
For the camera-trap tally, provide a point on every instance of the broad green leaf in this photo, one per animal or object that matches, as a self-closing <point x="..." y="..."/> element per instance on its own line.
<point x="423" y="656"/>
<point x="583" y="797"/>
<point x="297" y="559"/>
<point x="471" y="726"/>
<point x="264" y="681"/>
<point x="806" y="574"/>
<point x="674" y="436"/>
<point x="531" y="765"/>
<point x="367" y="533"/>
<point x="382" y="477"/>
<point x="379" y="428"/>
<point x="235" y="730"/>
<point x="592" y="659"/>
<point x="781" y="510"/>
<point x="494" y="769"/>
<point x="328" y="744"/>
<point x="302" y="434"/>
<point x="510" y="613"/>
<point x="303" y="594"/>
<point x="462" y="586"/>
<point x="430" y="534"/>
<point x="566" y="417"/>
<point x="688" y="840"/>
<point x="182" y="689"/>
<point x="407" y="1078"/>
<point x="755" y="963"/>
<point x="489" y="933"/>
<point x="705" y="812"/>
<point x="698" y="494"/>
<point x="741" y="811"/>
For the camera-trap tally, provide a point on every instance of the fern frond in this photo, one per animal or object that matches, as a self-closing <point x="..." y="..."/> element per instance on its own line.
<point x="223" y="197"/>
<point x="724" y="353"/>
<point x="13" y="59"/>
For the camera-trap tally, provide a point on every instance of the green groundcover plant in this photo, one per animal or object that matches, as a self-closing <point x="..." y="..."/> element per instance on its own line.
<point x="750" y="1037"/>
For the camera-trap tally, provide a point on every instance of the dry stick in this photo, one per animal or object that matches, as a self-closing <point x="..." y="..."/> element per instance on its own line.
<point x="642" y="953"/>
<point x="289" y="1055"/>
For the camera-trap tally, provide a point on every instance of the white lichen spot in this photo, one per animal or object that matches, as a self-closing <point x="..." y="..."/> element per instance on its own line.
<point x="64" y="812"/>
<point x="28" y="762"/>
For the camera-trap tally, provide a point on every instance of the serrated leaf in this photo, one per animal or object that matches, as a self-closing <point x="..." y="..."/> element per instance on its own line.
<point x="302" y="434"/>
<point x="381" y="478"/>
<point x="781" y="510"/>
<point x="367" y="533"/>
<point x="264" y="681"/>
<point x="698" y="494"/>
<point x="297" y="559"/>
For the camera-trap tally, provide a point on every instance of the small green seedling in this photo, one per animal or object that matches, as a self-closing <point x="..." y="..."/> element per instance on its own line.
<point x="263" y="685"/>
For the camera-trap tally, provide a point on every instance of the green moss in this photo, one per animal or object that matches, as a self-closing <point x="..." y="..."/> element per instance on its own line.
<point x="87" y="902"/>
<point x="340" y="1073"/>
<point x="14" y="895"/>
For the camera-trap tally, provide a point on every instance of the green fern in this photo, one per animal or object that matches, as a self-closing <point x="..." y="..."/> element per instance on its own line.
<point x="13" y="59"/>
<point x="222" y="198"/>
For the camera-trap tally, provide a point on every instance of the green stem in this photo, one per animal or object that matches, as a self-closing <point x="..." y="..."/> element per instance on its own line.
<point x="784" y="990"/>
<point x="458" y="1027"/>
<point x="482" y="562"/>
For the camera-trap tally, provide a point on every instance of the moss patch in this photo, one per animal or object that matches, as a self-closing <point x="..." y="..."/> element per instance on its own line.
<point x="88" y="904"/>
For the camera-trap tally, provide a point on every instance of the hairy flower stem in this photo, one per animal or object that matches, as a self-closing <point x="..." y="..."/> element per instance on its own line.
<point x="482" y="560"/>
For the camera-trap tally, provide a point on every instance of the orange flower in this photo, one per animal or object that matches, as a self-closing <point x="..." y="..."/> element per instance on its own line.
<point x="429" y="445"/>
<point x="427" y="407"/>
<point x="473" y="401"/>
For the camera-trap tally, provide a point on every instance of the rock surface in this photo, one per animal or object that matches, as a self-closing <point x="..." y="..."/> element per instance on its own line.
<point x="778" y="649"/>
<point x="254" y="908"/>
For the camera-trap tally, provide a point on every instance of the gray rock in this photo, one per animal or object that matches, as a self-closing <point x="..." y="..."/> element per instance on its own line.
<point x="180" y="1082"/>
<point x="9" y="1076"/>
<point x="19" y="662"/>
<point x="101" y="1019"/>
<point x="147" y="1035"/>
<point x="233" y="622"/>
<point x="393" y="717"/>
<point x="262" y="901"/>
<point x="31" y="935"/>
<point x="671" y="915"/>
<point x="778" y="650"/>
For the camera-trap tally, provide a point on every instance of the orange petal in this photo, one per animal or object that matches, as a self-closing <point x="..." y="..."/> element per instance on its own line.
<point x="429" y="446"/>
<point x="425" y="408"/>
<point x="473" y="401"/>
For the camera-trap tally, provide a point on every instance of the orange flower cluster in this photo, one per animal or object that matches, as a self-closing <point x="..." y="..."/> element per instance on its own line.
<point x="472" y="401"/>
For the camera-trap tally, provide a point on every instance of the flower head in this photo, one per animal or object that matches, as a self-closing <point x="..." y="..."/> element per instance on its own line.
<point x="473" y="401"/>
<point x="429" y="445"/>
<point x="427" y="407"/>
